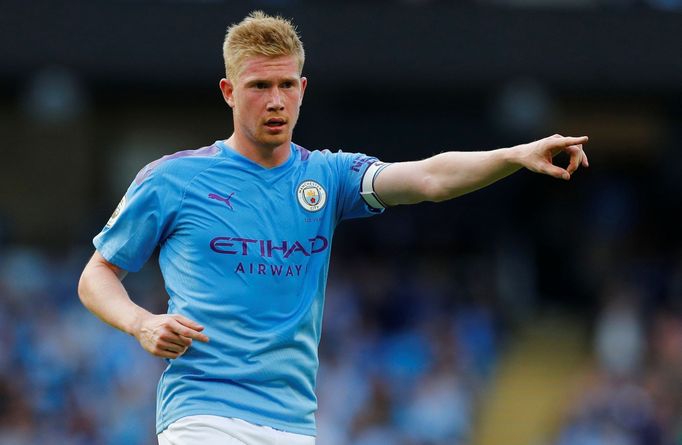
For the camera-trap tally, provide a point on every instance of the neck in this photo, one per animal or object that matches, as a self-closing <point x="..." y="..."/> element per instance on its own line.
<point x="267" y="157"/>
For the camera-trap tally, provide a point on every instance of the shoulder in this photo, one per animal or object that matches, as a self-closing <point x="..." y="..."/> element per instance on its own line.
<point x="351" y="160"/>
<point x="179" y="165"/>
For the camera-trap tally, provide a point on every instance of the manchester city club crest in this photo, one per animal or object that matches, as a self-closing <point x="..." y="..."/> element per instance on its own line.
<point x="311" y="196"/>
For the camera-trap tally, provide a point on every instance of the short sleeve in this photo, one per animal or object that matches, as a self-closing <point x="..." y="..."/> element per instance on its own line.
<point x="140" y="222"/>
<point x="351" y="168"/>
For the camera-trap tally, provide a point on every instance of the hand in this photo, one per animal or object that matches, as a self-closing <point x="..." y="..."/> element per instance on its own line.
<point x="168" y="335"/>
<point x="537" y="156"/>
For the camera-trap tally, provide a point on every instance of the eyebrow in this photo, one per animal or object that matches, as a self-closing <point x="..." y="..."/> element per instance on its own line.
<point x="256" y="80"/>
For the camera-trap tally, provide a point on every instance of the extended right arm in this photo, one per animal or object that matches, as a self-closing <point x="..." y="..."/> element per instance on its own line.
<point x="102" y="292"/>
<point x="451" y="174"/>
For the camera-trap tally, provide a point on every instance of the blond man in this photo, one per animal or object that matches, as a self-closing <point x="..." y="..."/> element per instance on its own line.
<point x="245" y="228"/>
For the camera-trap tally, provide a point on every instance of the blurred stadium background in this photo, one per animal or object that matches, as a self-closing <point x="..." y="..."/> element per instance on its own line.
<point x="534" y="312"/>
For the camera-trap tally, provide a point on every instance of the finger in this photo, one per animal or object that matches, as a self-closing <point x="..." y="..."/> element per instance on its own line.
<point x="164" y="354"/>
<point x="187" y="322"/>
<point x="568" y="140"/>
<point x="557" y="172"/>
<point x="576" y="156"/>
<point x="188" y="332"/>
<point x="180" y="340"/>
<point x="585" y="162"/>
<point x="171" y="347"/>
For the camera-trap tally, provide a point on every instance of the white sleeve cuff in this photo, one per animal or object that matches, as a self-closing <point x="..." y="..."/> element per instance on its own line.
<point x="367" y="186"/>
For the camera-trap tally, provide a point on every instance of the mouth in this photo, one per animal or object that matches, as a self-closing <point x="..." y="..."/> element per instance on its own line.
<point x="275" y="123"/>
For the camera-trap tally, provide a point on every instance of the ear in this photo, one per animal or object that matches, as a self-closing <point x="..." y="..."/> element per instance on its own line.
<point x="304" y="83"/>
<point x="227" y="89"/>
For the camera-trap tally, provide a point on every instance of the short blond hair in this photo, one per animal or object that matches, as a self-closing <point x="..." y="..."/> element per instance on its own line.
<point x="260" y="35"/>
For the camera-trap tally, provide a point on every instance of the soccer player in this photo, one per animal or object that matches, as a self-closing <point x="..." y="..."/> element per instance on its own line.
<point x="245" y="229"/>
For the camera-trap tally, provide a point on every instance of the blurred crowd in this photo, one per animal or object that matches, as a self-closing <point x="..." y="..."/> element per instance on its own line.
<point x="633" y="393"/>
<point x="65" y="376"/>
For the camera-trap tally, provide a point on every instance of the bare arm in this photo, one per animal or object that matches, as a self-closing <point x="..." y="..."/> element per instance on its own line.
<point x="101" y="291"/>
<point x="451" y="174"/>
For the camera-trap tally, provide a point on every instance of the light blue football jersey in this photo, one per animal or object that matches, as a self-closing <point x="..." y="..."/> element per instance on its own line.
<point x="244" y="251"/>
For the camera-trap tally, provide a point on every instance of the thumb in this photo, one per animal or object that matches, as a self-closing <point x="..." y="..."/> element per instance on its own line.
<point x="557" y="172"/>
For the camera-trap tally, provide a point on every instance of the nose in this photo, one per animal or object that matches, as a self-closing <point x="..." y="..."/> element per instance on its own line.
<point x="276" y="102"/>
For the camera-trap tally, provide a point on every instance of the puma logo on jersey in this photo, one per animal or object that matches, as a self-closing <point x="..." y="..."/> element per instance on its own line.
<point x="221" y="199"/>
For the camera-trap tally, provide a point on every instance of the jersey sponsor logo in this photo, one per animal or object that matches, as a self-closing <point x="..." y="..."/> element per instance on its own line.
<point x="114" y="216"/>
<point x="221" y="199"/>
<point x="230" y="245"/>
<point x="265" y="248"/>
<point x="311" y="196"/>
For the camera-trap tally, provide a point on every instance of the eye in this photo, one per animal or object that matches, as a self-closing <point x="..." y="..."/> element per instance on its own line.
<point x="261" y="85"/>
<point x="287" y="84"/>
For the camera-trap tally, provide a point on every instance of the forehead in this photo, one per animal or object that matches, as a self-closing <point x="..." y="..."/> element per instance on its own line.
<point x="264" y="67"/>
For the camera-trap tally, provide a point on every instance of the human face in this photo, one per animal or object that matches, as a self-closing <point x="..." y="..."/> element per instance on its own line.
<point x="265" y="100"/>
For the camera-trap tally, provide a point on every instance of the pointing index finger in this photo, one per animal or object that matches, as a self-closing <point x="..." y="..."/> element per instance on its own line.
<point x="569" y="140"/>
